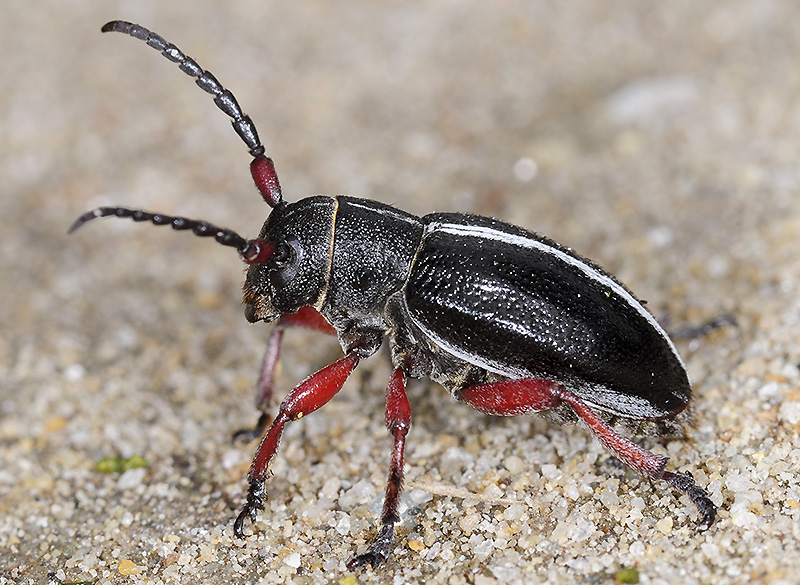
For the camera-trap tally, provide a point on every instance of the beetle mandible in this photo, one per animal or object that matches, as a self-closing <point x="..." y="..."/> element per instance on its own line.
<point x="506" y="320"/>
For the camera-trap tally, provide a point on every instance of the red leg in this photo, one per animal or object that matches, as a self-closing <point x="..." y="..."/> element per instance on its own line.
<point x="512" y="397"/>
<point x="398" y="421"/>
<point x="269" y="367"/>
<point x="307" y="318"/>
<point x="515" y="397"/>
<point x="311" y="394"/>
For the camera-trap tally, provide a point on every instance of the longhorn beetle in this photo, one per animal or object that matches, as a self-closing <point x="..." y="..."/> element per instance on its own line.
<point x="506" y="320"/>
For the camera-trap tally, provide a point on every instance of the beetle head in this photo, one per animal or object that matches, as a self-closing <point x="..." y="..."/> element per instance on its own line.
<point x="296" y="274"/>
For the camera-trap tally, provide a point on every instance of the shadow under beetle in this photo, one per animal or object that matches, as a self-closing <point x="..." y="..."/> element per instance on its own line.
<point x="507" y="321"/>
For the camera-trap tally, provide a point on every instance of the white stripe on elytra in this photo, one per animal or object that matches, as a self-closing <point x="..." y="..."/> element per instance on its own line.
<point x="486" y="233"/>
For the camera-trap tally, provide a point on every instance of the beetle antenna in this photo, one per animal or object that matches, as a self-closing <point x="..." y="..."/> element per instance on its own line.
<point x="251" y="251"/>
<point x="261" y="168"/>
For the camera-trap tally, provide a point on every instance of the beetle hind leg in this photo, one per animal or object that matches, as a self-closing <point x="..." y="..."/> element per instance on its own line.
<point x="685" y="483"/>
<point x="514" y="397"/>
<point x="398" y="421"/>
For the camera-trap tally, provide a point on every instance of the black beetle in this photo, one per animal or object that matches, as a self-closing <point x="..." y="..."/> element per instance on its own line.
<point x="506" y="320"/>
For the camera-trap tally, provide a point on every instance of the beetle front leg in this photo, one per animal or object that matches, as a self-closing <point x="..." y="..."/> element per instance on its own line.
<point x="398" y="421"/>
<point x="514" y="397"/>
<point x="307" y="318"/>
<point x="311" y="394"/>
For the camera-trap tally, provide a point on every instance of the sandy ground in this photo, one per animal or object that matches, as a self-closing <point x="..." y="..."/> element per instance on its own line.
<point x="661" y="139"/>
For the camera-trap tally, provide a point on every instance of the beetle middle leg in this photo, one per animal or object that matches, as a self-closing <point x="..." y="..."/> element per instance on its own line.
<point x="311" y="394"/>
<point x="306" y="318"/>
<point x="515" y="397"/>
<point x="398" y="421"/>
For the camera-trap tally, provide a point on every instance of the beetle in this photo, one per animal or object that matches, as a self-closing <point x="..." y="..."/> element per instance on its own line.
<point x="508" y="321"/>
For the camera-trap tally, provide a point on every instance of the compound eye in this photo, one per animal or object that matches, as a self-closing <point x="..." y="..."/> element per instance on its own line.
<point x="285" y="262"/>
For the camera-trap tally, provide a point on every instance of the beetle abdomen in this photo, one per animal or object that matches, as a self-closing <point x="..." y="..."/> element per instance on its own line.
<point x="520" y="305"/>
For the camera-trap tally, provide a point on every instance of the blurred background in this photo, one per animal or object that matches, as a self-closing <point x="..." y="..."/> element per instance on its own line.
<point x="660" y="139"/>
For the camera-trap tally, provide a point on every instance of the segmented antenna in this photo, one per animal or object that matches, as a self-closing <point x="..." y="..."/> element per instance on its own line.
<point x="251" y="251"/>
<point x="262" y="168"/>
